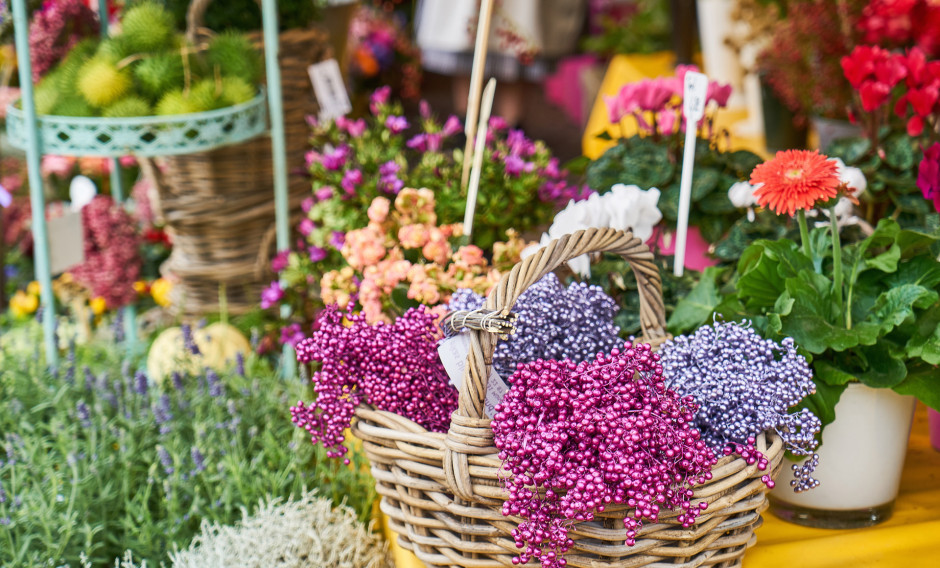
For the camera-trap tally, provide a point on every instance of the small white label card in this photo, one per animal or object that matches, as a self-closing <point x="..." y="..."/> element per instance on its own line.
<point x="329" y="88"/>
<point x="496" y="389"/>
<point x="453" y="352"/>
<point x="695" y="89"/>
<point x="66" y="242"/>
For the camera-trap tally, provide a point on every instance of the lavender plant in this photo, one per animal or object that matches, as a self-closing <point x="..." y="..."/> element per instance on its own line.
<point x="94" y="458"/>
<point x="552" y="322"/>
<point x="745" y="385"/>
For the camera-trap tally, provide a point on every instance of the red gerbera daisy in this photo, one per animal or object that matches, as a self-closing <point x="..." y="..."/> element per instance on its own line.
<point x="795" y="179"/>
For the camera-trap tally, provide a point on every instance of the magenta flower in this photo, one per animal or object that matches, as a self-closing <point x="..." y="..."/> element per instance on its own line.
<point x="498" y="123"/>
<point x="316" y="253"/>
<point x="351" y="179"/>
<point x="306" y="226"/>
<point x="653" y="94"/>
<point x="718" y="93"/>
<point x="390" y="184"/>
<point x="337" y="239"/>
<point x="379" y="98"/>
<point x="336" y="158"/>
<point x="389" y="168"/>
<point x="292" y="334"/>
<point x="312" y="157"/>
<point x="271" y="295"/>
<point x="928" y="175"/>
<point x="424" y="109"/>
<point x="307" y="204"/>
<point x="396" y="124"/>
<point x="354" y="128"/>
<point x="323" y="193"/>
<point x="279" y="262"/>
<point x="418" y="142"/>
<point x="516" y="165"/>
<point x="452" y="126"/>
<point x="519" y="145"/>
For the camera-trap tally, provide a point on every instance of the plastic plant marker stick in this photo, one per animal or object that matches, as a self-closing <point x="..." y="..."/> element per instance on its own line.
<point x="476" y="83"/>
<point x="485" y="110"/>
<point x="37" y="199"/>
<point x="693" y="109"/>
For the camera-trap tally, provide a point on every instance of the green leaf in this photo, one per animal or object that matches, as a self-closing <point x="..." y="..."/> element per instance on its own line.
<point x="897" y="304"/>
<point x="851" y="150"/>
<point x="716" y="203"/>
<point x="925" y="341"/>
<point x="694" y="309"/>
<point x="830" y="374"/>
<point x="884" y="371"/>
<point x="922" y="382"/>
<point x="743" y="162"/>
<point x="704" y="181"/>
<point x="647" y="165"/>
<point x="899" y="152"/>
<point x="886" y="261"/>
<point x="759" y="285"/>
<point x="605" y="135"/>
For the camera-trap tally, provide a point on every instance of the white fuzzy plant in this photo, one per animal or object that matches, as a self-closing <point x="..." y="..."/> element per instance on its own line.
<point x="301" y="533"/>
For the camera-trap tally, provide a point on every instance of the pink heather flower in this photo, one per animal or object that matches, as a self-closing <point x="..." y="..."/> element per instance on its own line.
<point x="59" y="166"/>
<point x="351" y="178"/>
<point x="316" y="253"/>
<point x="497" y="123"/>
<point x="271" y="295"/>
<point x="323" y="193"/>
<point x="516" y="165"/>
<point x="306" y="226"/>
<point x="379" y="98"/>
<point x="519" y="144"/>
<point x="306" y="205"/>
<point x="418" y="142"/>
<point x="337" y="239"/>
<point x="279" y="262"/>
<point x="354" y="128"/>
<point x="335" y="160"/>
<point x="551" y="169"/>
<point x="389" y="168"/>
<point x="292" y="334"/>
<point x="312" y="157"/>
<point x="378" y="210"/>
<point x="452" y="126"/>
<point x="413" y="236"/>
<point x="396" y="124"/>
<point x="928" y="175"/>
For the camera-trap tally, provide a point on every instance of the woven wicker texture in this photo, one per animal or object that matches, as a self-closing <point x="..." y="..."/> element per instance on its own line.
<point x="219" y="205"/>
<point x="443" y="492"/>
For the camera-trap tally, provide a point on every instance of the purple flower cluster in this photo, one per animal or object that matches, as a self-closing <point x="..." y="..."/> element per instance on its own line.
<point x="393" y="367"/>
<point x="55" y="29"/>
<point x="745" y="385"/>
<point x="552" y="322"/>
<point x="580" y="437"/>
<point x="389" y="181"/>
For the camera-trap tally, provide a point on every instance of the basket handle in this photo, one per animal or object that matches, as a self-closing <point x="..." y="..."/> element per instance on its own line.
<point x="470" y="432"/>
<point x="195" y="16"/>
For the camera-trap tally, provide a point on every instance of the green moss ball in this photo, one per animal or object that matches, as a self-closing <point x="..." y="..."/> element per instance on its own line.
<point x="159" y="74"/>
<point x="236" y="91"/>
<point x="147" y="27"/>
<point x="235" y="56"/>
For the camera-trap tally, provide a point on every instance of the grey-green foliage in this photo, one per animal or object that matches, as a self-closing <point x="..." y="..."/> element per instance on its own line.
<point x="94" y="459"/>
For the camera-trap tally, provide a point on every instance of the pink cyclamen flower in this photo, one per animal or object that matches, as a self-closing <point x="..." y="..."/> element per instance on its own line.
<point x="396" y="124"/>
<point x="718" y="93"/>
<point x="928" y="175"/>
<point x="271" y="295"/>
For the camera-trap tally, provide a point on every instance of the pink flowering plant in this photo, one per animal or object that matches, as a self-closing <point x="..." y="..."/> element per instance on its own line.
<point x="403" y="257"/>
<point x="646" y="122"/>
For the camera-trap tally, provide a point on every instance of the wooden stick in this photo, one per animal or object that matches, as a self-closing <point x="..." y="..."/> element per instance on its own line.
<point x="485" y="111"/>
<point x="476" y="84"/>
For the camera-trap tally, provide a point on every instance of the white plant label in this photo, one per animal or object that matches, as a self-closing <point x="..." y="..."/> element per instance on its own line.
<point x="66" y="242"/>
<point x="694" y="92"/>
<point x="453" y="352"/>
<point x="330" y="90"/>
<point x="496" y="389"/>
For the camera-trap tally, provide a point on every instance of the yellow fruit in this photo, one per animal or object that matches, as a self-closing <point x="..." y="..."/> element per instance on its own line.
<point x="160" y="291"/>
<point x="98" y="305"/>
<point x="102" y="83"/>
<point x="23" y="304"/>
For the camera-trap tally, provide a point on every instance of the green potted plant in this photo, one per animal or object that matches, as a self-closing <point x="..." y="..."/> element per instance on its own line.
<point x="865" y="312"/>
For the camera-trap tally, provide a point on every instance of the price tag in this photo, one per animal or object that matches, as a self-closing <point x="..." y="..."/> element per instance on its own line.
<point x="329" y="89"/>
<point x="496" y="389"/>
<point x="66" y="242"/>
<point x="695" y="89"/>
<point x="453" y="352"/>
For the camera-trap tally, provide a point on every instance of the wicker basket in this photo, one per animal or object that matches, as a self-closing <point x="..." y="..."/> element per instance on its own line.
<point x="219" y="205"/>
<point x="443" y="494"/>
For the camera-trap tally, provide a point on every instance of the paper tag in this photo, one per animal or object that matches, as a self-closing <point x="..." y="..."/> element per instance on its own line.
<point x="329" y="88"/>
<point x="66" y="242"/>
<point x="694" y="91"/>
<point x="453" y="352"/>
<point x="496" y="389"/>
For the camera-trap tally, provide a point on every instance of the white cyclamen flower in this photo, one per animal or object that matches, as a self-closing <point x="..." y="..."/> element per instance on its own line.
<point x="852" y="177"/>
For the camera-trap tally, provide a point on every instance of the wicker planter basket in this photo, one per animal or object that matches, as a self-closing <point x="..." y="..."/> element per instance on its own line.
<point x="219" y="205"/>
<point x="443" y="494"/>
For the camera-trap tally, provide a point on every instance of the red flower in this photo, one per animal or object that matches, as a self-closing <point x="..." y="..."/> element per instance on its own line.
<point x="928" y="175"/>
<point x="795" y="179"/>
<point x="873" y="94"/>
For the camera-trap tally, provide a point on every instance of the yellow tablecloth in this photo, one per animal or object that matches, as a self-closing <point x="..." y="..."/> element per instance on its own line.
<point x="630" y="68"/>
<point x="910" y="539"/>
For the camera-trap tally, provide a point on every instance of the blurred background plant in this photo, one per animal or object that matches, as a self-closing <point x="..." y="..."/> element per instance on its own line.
<point x="627" y="26"/>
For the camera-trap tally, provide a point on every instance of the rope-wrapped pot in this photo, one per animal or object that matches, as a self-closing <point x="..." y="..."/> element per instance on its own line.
<point x="443" y="493"/>
<point x="219" y="205"/>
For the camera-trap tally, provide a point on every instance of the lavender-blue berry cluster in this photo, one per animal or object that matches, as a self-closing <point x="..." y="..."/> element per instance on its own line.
<point x="745" y="385"/>
<point x="553" y="323"/>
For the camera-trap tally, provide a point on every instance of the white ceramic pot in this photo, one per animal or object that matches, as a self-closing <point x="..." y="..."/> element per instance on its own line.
<point x="860" y="463"/>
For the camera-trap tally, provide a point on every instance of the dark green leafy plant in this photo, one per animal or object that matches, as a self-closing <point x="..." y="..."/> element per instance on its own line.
<point x="245" y="15"/>
<point x="646" y="28"/>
